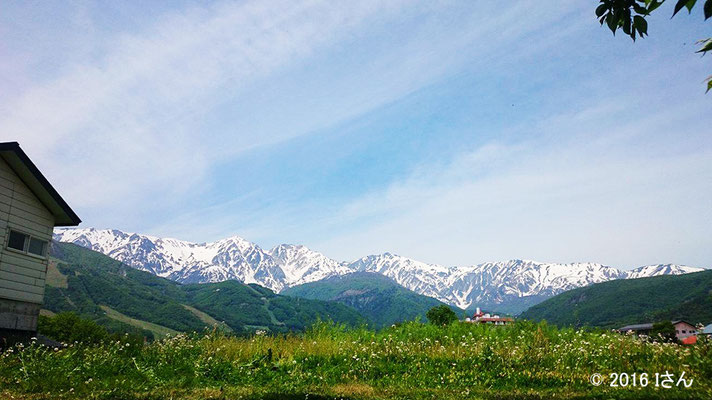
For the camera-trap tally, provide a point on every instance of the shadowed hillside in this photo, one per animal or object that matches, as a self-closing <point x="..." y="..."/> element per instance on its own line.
<point x="615" y="303"/>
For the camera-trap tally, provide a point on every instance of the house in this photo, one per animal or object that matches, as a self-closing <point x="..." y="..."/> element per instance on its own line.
<point x="683" y="329"/>
<point x="700" y="329"/>
<point x="29" y="210"/>
<point x="485" y="318"/>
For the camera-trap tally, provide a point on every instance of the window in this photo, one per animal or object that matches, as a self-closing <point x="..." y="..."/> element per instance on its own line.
<point x="27" y="244"/>
<point x="17" y="240"/>
<point x="37" y="247"/>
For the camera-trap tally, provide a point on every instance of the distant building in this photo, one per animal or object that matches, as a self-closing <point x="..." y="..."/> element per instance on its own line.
<point x="707" y="330"/>
<point x="478" y="314"/>
<point x="485" y="318"/>
<point x="638" y="329"/>
<point x="30" y="208"/>
<point x="683" y="329"/>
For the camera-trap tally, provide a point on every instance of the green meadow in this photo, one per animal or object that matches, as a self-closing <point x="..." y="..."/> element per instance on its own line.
<point x="409" y="361"/>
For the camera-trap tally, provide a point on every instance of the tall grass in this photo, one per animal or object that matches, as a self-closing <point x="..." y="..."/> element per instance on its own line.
<point x="412" y="360"/>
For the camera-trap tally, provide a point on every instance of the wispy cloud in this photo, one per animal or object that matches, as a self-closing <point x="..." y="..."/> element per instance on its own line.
<point x="124" y="125"/>
<point x="361" y="74"/>
<point x="291" y="121"/>
<point x="623" y="195"/>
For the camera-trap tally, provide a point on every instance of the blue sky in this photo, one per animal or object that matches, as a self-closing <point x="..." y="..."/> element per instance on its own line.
<point x="450" y="132"/>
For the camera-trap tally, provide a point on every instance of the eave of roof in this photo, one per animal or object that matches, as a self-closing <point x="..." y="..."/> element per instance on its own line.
<point x="38" y="184"/>
<point x="681" y="320"/>
<point x="636" y="327"/>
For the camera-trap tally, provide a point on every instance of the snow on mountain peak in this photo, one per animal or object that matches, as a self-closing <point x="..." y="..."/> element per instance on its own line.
<point x="509" y="285"/>
<point x="661" y="269"/>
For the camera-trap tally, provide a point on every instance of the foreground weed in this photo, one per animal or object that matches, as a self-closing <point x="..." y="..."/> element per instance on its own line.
<point x="412" y="360"/>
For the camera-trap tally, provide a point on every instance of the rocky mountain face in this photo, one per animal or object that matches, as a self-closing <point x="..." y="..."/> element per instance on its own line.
<point x="508" y="286"/>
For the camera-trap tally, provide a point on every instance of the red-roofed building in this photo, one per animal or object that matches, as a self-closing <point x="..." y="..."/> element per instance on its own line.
<point x="485" y="318"/>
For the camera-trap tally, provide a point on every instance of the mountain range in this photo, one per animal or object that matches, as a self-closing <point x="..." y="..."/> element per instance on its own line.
<point x="124" y="299"/>
<point x="631" y="301"/>
<point x="509" y="286"/>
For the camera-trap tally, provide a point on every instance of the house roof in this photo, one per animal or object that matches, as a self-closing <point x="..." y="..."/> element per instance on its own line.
<point x="681" y="321"/>
<point x="708" y="329"/>
<point x="646" y="327"/>
<point x="38" y="184"/>
<point x="636" y="327"/>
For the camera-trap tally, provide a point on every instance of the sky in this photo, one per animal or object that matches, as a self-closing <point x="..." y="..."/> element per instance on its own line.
<point x="451" y="132"/>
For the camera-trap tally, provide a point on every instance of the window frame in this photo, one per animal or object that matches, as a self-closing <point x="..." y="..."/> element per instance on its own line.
<point x="25" y="242"/>
<point x="26" y="247"/>
<point x="43" y="243"/>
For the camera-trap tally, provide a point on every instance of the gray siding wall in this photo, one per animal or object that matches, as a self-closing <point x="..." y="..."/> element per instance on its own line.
<point x="22" y="276"/>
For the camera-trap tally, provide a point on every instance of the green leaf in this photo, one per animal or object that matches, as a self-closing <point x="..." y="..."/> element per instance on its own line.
<point x="626" y="26"/>
<point x="709" y="84"/>
<point x="641" y="25"/>
<point x="653" y="5"/>
<point x="612" y="23"/>
<point x="690" y="4"/>
<point x="640" y="9"/>
<point x="679" y="5"/>
<point x="706" y="45"/>
<point x="600" y="10"/>
<point x="708" y="9"/>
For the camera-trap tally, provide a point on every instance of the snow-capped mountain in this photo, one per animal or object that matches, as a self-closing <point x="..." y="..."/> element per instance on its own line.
<point x="509" y="286"/>
<point x="302" y="265"/>
<point x="186" y="262"/>
<point x="660" y="269"/>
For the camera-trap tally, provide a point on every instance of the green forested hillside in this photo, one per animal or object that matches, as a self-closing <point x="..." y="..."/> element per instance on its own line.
<point x="377" y="297"/>
<point x="627" y="301"/>
<point x="125" y="299"/>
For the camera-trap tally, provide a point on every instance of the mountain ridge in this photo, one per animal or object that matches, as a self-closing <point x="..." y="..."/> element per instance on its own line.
<point x="96" y="286"/>
<point x="509" y="286"/>
<point x="650" y="299"/>
<point x="377" y="297"/>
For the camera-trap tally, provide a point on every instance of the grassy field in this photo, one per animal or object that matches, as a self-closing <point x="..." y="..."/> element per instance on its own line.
<point x="210" y="321"/>
<point x="158" y="330"/>
<point x="411" y="361"/>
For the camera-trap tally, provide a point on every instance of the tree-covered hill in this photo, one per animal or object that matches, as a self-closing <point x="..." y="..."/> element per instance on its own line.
<point x="377" y="297"/>
<point x="125" y="299"/>
<point x="621" y="302"/>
